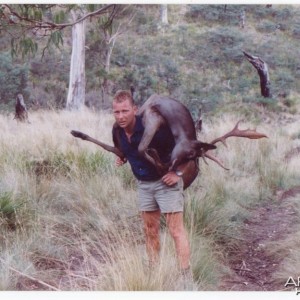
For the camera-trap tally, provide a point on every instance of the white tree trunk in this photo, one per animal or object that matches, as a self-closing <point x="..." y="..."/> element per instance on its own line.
<point x="76" y="92"/>
<point x="164" y="14"/>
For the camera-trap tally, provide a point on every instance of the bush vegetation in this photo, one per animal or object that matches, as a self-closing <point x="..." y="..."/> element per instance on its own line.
<point x="196" y="58"/>
<point x="70" y="221"/>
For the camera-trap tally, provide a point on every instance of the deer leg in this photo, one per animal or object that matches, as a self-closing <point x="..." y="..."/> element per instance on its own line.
<point x="161" y="167"/>
<point x="152" y="121"/>
<point x="109" y="148"/>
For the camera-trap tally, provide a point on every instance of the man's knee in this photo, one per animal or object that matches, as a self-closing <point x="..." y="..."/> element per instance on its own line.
<point x="177" y="232"/>
<point x="175" y="225"/>
<point x="151" y="223"/>
<point x="151" y="228"/>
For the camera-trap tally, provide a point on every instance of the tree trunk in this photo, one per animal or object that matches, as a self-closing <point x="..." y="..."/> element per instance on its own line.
<point x="105" y="85"/>
<point x="242" y="19"/>
<point x="76" y="92"/>
<point x="21" y="110"/>
<point x="263" y="72"/>
<point x="109" y="51"/>
<point x="164" y="14"/>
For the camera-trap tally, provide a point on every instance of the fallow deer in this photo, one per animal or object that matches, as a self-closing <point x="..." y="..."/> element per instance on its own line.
<point x="160" y="111"/>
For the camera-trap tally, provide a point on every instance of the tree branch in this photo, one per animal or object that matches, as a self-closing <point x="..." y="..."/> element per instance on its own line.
<point x="51" y="25"/>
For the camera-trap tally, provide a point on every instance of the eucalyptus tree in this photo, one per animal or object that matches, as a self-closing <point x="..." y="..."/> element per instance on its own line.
<point x="164" y="14"/>
<point x="111" y="29"/>
<point x="76" y="91"/>
<point x="27" y="24"/>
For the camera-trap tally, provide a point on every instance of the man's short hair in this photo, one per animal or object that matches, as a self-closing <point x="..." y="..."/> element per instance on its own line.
<point x="123" y="95"/>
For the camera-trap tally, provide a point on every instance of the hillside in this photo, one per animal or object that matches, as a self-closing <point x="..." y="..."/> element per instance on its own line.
<point x="69" y="218"/>
<point x="196" y="58"/>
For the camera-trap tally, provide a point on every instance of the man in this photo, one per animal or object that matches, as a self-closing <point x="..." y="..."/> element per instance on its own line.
<point x="156" y="194"/>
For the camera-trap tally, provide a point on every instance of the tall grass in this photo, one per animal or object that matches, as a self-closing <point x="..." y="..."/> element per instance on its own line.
<point x="69" y="218"/>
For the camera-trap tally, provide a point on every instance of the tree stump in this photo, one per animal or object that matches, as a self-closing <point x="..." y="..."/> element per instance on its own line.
<point x="263" y="72"/>
<point x="21" y="110"/>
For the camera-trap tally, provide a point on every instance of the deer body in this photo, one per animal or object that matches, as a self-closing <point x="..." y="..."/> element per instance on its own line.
<point x="159" y="110"/>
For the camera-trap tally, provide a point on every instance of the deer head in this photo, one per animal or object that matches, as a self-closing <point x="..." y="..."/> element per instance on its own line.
<point x="188" y="150"/>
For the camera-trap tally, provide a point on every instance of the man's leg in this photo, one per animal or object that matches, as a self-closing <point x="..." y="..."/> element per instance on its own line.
<point x="179" y="234"/>
<point x="151" y="227"/>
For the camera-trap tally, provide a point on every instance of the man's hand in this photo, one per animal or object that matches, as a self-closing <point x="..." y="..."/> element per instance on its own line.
<point x="170" y="178"/>
<point x="119" y="162"/>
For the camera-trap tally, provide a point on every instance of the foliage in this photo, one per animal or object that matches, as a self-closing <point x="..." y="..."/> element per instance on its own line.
<point x="266" y="26"/>
<point x="296" y="31"/>
<point x="225" y="14"/>
<point x="197" y="59"/>
<point x="65" y="206"/>
<point x="13" y="79"/>
<point x="68" y="164"/>
<point x="8" y="210"/>
<point x="26" y="23"/>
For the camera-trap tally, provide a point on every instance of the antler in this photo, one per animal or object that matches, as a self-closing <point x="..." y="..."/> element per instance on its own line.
<point x="247" y="133"/>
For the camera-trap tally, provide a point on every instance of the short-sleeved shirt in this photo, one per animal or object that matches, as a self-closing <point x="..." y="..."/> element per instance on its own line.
<point x="163" y="142"/>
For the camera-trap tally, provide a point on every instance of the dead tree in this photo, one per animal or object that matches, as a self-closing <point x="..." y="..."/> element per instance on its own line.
<point x="21" y="110"/>
<point x="263" y="72"/>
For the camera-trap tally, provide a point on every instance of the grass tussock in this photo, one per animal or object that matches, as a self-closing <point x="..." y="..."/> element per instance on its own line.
<point x="69" y="218"/>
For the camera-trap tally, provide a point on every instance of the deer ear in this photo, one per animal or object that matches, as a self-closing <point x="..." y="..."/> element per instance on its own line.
<point x="192" y="154"/>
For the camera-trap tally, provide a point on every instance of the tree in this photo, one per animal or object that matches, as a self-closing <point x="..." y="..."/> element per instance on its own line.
<point x="76" y="91"/>
<point x="21" y="113"/>
<point x="164" y="14"/>
<point x="28" y="22"/>
<point x="263" y="72"/>
<point x="13" y="79"/>
<point x="110" y="33"/>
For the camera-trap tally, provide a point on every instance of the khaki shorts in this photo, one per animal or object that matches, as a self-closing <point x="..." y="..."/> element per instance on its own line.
<point x="156" y="195"/>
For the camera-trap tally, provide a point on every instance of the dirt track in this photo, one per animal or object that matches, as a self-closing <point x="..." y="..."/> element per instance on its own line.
<point x="252" y="266"/>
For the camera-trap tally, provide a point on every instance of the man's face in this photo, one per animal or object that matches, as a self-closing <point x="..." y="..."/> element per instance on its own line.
<point x="124" y="113"/>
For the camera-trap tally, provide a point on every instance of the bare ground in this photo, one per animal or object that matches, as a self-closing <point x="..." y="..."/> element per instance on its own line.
<point x="251" y="264"/>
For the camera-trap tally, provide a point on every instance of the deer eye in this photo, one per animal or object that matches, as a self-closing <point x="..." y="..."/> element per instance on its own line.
<point x="192" y="154"/>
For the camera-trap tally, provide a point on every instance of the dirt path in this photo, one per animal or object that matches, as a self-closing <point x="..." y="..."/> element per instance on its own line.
<point x="252" y="265"/>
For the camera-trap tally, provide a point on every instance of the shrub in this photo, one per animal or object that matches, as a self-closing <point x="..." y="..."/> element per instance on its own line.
<point x="8" y="210"/>
<point x="215" y="13"/>
<point x="13" y="79"/>
<point x="269" y="103"/>
<point x="266" y="26"/>
<point x="296" y="31"/>
<point x="282" y="14"/>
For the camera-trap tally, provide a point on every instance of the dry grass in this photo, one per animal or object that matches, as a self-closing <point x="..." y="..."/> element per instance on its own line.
<point x="69" y="219"/>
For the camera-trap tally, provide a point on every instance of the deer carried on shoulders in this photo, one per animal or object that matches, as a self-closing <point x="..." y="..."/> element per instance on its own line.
<point x="160" y="111"/>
